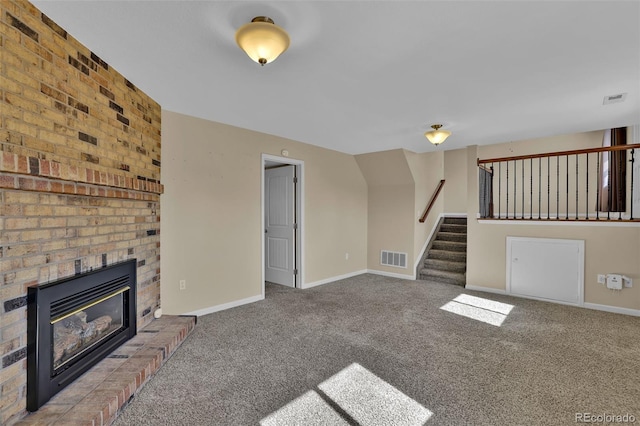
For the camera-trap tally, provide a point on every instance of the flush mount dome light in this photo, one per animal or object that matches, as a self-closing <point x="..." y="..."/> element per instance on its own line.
<point x="437" y="136"/>
<point x="262" y="40"/>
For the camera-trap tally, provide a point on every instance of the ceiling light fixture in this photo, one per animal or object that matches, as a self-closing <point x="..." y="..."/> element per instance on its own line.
<point x="437" y="136"/>
<point x="262" y="40"/>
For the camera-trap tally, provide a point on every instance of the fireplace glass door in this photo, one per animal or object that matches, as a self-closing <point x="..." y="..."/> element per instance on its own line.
<point x="76" y="332"/>
<point x="74" y="323"/>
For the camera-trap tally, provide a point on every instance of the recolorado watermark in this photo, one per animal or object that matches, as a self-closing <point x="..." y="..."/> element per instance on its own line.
<point x="605" y="418"/>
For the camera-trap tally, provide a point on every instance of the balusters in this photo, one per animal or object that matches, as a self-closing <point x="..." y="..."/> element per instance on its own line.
<point x="515" y="188"/>
<point x="609" y="194"/>
<point x="632" y="161"/>
<point x="576" y="186"/>
<point x="491" y="211"/>
<point x="566" y="212"/>
<point x="499" y="190"/>
<point x="620" y="199"/>
<point x="522" y="212"/>
<point x="586" y="210"/>
<point x="580" y="175"/>
<point x="531" y="188"/>
<point x="548" y="188"/>
<point x="599" y="188"/>
<point x="507" y="186"/>
<point x="539" y="187"/>
<point x="557" y="187"/>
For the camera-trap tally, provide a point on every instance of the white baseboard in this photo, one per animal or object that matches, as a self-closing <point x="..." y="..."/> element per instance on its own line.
<point x="485" y="289"/>
<point x="392" y="274"/>
<point x="225" y="306"/>
<point x="614" y="309"/>
<point x="332" y="279"/>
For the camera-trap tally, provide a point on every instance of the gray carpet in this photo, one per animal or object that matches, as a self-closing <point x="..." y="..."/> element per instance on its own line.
<point x="377" y="350"/>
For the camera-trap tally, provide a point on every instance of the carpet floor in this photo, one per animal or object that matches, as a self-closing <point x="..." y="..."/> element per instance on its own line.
<point x="374" y="350"/>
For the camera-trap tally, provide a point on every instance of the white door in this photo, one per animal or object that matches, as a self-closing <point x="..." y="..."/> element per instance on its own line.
<point x="279" y="222"/>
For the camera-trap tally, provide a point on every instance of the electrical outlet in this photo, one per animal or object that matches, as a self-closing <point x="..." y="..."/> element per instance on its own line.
<point x="346" y="256"/>
<point x="602" y="279"/>
<point x="183" y="284"/>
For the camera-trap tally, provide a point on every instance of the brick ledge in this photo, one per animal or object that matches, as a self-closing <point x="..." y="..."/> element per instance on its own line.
<point x="37" y="168"/>
<point x="98" y="396"/>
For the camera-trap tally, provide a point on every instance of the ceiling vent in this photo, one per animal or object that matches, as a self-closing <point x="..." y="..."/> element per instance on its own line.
<point x="392" y="258"/>
<point x="614" y="99"/>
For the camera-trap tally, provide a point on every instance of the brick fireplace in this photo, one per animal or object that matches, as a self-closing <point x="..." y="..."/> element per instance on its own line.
<point x="74" y="323"/>
<point x="79" y="178"/>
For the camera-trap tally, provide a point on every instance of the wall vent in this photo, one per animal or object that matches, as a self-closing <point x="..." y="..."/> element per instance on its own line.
<point x="393" y="258"/>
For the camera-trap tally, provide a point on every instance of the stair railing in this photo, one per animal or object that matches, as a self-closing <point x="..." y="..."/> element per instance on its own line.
<point x="577" y="185"/>
<point x="431" y="202"/>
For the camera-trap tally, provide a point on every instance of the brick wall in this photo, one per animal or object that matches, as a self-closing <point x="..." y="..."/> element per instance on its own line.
<point x="79" y="177"/>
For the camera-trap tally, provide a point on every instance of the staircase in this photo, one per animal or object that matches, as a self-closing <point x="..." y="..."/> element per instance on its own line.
<point x="445" y="259"/>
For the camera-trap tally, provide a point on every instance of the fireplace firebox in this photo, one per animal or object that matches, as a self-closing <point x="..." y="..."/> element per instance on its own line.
<point x="74" y="323"/>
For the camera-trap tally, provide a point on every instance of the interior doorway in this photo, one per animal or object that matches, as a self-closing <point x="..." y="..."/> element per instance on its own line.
<point x="282" y="218"/>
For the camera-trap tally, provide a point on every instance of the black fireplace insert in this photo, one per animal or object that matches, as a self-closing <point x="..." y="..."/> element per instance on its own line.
<point x="74" y="323"/>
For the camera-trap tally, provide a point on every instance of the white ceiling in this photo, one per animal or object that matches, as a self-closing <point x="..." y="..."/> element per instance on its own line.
<point x="364" y="76"/>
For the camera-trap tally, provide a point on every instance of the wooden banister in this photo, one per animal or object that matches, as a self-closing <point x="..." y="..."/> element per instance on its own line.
<point x="526" y="188"/>
<point x="560" y="153"/>
<point x="431" y="202"/>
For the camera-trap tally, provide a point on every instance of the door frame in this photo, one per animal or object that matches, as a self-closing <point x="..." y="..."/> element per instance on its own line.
<point x="299" y="240"/>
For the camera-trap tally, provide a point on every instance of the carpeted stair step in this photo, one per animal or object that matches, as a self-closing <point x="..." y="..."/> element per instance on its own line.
<point x="455" y="221"/>
<point x="445" y="265"/>
<point x="443" y="276"/>
<point x="451" y="236"/>
<point x="449" y="245"/>
<point x="446" y="259"/>
<point x="452" y="227"/>
<point x="452" y="256"/>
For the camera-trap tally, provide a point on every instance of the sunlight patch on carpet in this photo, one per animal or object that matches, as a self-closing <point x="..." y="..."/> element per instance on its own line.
<point x="309" y="409"/>
<point x="479" y="309"/>
<point x="363" y="396"/>
<point x="369" y="400"/>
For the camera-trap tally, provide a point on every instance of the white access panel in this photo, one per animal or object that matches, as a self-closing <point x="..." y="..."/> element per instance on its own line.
<point x="546" y="268"/>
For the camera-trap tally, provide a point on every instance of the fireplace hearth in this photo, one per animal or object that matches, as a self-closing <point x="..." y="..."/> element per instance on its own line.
<point x="74" y="323"/>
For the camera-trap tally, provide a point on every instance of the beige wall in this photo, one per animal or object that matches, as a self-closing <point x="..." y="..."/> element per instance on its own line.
<point x="535" y="146"/>
<point x="608" y="249"/>
<point x="455" y="187"/>
<point x="211" y="216"/>
<point x="400" y="184"/>
<point x="359" y="205"/>
<point x="390" y="225"/>
<point x="427" y="171"/>
<point x="391" y="193"/>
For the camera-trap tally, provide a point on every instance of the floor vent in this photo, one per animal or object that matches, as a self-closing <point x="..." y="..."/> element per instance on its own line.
<point x="392" y="258"/>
